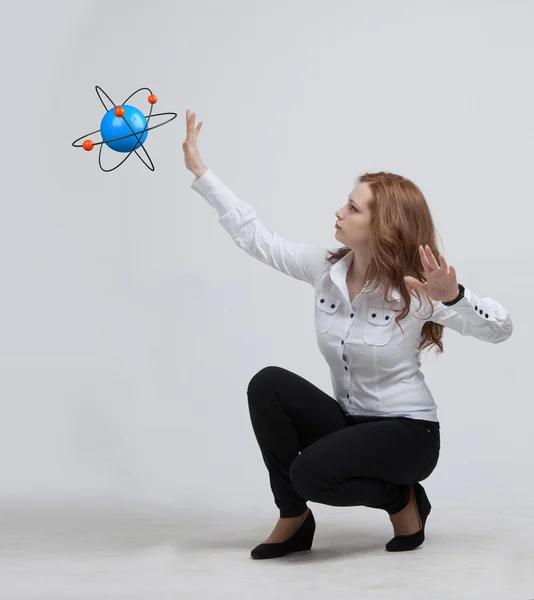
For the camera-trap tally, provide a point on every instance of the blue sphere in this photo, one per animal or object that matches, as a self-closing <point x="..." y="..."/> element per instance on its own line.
<point x="113" y="127"/>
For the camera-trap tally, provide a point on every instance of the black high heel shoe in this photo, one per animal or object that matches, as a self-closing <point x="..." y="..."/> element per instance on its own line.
<point x="400" y="543"/>
<point x="301" y="540"/>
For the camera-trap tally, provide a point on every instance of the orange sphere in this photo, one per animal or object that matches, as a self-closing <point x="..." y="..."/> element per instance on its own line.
<point x="88" y="145"/>
<point x="152" y="99"/>
<point x="119" y="111"/>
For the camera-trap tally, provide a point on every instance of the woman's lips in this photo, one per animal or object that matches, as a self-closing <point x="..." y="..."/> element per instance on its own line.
<point x="337" y="226"/>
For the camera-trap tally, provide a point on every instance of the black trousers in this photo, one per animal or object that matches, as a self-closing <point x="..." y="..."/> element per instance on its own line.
<point x="315" y="451"/>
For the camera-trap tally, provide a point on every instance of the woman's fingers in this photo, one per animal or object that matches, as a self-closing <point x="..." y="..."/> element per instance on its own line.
<point x="190" y="120"/>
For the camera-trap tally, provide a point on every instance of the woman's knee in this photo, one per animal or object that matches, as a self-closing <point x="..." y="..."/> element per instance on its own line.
<point x="264" y="379"/>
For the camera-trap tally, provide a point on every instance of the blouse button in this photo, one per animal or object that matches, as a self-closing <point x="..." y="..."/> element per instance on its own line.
<point x="486" y="315"/>
<point x="373" y="315"/>
<point x="351" y="315"/>
<point x="332" y="306"/>
<point x="480" y="311"/>
<point x="342" y="342"/>
<point x="346" y="368"/>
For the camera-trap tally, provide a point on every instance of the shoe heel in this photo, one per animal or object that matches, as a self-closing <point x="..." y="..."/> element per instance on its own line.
<point x="411" y="542"/>
<point x="300" y="541"/>
<point x="423" y="503"/>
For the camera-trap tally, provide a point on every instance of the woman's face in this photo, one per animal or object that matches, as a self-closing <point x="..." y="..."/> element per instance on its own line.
<point x="354" y="218"/>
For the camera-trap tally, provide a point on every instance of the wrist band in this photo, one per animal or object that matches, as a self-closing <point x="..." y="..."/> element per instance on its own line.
<point x="461" y="290"/>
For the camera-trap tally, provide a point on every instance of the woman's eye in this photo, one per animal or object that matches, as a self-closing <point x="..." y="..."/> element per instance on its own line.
<point x="355" y="209"/>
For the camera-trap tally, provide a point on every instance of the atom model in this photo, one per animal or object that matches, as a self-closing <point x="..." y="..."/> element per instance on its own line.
<point x="119" y="125"/>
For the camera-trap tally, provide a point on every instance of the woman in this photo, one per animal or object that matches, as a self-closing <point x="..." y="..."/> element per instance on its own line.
<point x="379" y="436"/>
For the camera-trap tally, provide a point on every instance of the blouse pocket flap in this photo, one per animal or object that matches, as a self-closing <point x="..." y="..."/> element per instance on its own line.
<point x="379" y="316"/>
<point x="328" y="305"/>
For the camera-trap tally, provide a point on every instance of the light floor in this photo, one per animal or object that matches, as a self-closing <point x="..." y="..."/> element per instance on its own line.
<point x="109" y="552"/>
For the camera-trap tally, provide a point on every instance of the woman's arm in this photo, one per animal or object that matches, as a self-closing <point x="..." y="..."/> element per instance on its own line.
<point x="298" y="260"/>
<point x="483" y="318"/>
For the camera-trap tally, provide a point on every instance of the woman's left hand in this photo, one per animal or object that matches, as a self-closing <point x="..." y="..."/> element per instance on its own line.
<point x="441" y="281"/>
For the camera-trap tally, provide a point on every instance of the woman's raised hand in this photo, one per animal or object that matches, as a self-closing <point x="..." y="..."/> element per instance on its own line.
<point x="192" y="159"/>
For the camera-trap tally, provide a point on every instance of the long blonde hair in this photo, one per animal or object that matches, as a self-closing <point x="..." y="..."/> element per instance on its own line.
<point x="400" y="222"/>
